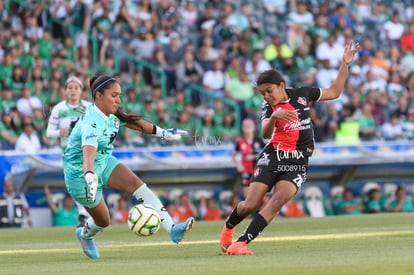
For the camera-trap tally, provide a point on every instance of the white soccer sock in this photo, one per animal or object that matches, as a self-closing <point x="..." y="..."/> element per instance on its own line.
<point x="91" y="229"/>
<point x="144" y="194"/>
<point x="82" y="210"/>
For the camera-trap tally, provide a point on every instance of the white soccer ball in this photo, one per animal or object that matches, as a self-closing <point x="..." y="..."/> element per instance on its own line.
<point x="144" y="220"/>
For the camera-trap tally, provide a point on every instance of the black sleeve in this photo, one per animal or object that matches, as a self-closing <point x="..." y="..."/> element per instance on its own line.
<point x="310" y="93"/>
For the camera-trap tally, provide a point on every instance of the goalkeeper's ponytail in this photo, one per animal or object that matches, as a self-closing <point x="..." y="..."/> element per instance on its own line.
<point x="129" y="118"/>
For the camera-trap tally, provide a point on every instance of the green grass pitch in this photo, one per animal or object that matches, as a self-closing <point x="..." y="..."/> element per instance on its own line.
<point x="368" y="244"/>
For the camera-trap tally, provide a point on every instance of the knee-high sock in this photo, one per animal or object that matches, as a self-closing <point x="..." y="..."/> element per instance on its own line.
<point x="91" y="229"/>
<point x="234" y="219"/>
<point x="253" y="230"/>
<point x="144" y="194"/>
<point x="81" y="209"/>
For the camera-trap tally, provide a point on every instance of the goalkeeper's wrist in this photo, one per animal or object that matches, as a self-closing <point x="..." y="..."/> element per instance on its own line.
<point x="87" y="172"/>
<point x="157" y="131"/>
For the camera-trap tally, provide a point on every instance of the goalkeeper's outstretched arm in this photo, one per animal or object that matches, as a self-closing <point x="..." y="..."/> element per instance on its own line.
<point x="149" y="128"/>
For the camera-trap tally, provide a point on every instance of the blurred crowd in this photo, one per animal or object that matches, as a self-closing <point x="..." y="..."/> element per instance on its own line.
<point x="220" y="46"/>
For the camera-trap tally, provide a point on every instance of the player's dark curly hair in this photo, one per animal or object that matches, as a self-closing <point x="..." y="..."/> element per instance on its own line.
<point x="101" y="83"/>
<point x="271" y="76"/>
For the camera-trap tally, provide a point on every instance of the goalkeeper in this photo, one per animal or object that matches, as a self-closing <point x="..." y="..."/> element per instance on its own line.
<point x="89" y="166"/>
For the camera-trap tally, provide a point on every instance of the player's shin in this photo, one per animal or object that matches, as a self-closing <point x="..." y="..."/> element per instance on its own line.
<point x="145" y="195"/>
<point x="234" y="219"/>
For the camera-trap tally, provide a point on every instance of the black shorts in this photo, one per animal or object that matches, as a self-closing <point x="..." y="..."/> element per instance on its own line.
<point x="273" y="166"/>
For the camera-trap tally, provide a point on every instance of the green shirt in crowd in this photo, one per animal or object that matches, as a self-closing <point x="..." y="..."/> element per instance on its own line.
<point x="64" y="218"/>
<point x="347" y="203"/>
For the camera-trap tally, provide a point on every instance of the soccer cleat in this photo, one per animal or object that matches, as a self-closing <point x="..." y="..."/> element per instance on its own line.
<point x="226" y="238"/>
<point x="178" y="230"/>
<point x="239" y="248"/>
<point x="88" y="245"/>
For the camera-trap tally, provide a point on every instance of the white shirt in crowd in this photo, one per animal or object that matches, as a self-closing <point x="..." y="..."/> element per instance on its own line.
<point x="331" y="52"/>
<point x="28" y="144"/>
<point x="26" y="106"/>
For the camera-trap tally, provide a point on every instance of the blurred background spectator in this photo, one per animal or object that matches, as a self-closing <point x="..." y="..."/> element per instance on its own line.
<point x="374" y="204"/>
<point x="64" y="211"/>
<point x="208" y="210"/>
<point x="402" y="202"/>
<point x="348" y="205"/>
<point x="28" y="141"/>
<point x="184" y="208"/>
<point x="119" y="213"/>
<point x="292" y="209"/>
<point x="14" y="208"/>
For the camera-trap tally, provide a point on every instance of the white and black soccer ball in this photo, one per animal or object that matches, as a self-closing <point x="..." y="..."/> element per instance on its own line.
<point x="144" y="220"/>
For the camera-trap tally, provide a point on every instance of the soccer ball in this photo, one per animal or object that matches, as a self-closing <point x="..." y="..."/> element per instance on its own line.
<point x="144" y="220"/>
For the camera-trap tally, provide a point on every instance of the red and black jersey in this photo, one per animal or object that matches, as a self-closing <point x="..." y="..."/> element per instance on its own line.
<point x="249" y="152"/>
<point x="294" y="137"/>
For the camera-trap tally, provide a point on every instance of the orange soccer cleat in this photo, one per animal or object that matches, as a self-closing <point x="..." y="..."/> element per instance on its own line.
<point x="239" y="248"/>
<point x="226" y="238"/>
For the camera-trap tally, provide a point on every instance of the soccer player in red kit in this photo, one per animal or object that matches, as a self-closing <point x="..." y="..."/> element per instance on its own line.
<point x="282" y="166"/>
<point x="248" y="146"/>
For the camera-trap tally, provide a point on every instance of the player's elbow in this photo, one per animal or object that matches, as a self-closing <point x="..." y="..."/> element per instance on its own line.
<point x="331" y="93"/>
<point x="266" y="134"/>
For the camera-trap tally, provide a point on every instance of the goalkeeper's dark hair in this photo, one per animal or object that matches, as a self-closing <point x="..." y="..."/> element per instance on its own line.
<point x="101" y="83"/>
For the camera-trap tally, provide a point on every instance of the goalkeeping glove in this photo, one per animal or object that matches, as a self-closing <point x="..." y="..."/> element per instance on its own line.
<point x="92" y="182"/>
<point x="172" y="134"/>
